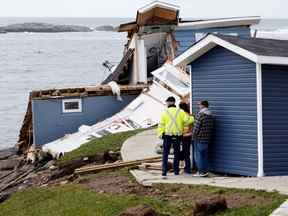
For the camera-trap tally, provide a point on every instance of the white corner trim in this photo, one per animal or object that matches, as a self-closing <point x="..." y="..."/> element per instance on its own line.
<point x="191" y="85"/>
<point x="208" y="43"/>
<point x="160" y="4"/>
<point x="260" y="172"/>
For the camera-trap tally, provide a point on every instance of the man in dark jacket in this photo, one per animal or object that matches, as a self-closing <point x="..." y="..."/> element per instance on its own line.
<point x="202" y="133"/>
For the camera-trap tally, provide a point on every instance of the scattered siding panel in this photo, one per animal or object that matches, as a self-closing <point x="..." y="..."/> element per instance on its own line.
<point x="228" y="82"/>
<point x="275" y="119"/>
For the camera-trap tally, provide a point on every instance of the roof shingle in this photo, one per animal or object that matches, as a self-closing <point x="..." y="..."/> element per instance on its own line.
<point x="259" y="46"/>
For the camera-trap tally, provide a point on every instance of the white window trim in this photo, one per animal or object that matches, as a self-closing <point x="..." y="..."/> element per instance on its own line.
<point x="79" y="100"/>
<point x="260" y="172"/>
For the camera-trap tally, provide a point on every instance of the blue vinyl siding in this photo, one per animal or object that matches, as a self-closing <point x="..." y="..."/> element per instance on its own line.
<point x="51" y="123"/>
<point x="186" y="38"/>
<point x="228" y="82"/>
<point x="275" y="119"/>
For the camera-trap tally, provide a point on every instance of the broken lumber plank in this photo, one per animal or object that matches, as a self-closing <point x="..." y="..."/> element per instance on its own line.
<point x="97" y="168"/>
<point x="19" y="179"/>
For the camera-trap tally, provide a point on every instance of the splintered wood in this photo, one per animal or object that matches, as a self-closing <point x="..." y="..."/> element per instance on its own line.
<point x="116" y="165"/>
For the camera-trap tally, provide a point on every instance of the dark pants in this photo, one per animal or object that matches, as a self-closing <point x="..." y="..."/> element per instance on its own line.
<point x="201" y="155"/>
<point x="186" y="148"/>
<point x="169" y="141"/>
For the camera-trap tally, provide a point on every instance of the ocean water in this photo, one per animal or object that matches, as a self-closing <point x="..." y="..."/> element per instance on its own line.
<point x="33" y="61"/>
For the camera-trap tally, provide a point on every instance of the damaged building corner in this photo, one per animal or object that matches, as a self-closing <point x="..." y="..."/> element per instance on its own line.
<point x="27" y="135"/>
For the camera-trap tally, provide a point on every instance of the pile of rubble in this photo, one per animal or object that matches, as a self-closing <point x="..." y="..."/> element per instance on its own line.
<point x="18" y="172"/>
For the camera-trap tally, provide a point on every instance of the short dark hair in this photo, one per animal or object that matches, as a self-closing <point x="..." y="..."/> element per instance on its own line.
<point x="204" y="103"/>
<point x="184" y="106"/>
<point x="171" y="99"/>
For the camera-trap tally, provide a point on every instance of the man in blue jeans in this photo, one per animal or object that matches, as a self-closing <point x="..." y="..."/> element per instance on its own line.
<point x="202" y="134"/>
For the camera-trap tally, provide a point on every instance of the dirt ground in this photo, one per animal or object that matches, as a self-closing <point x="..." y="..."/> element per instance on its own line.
<point x="178" y="193"/>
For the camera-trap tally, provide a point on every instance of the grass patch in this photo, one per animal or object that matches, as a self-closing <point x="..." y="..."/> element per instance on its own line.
<point x="111" y="142"/>
<point x="75" y="200"/>
<point x="263" y="210"/>
<point x="171" y="199"/>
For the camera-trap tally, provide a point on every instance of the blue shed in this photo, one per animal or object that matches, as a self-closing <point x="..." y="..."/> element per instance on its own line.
<point x="245" y="81"/>
<point x="62" y="111"/>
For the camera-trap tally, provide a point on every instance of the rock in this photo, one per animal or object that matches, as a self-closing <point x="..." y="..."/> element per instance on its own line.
<point x="106" y="28"/>
<point x="210" y="206"/>
<point x="9" y="164"/>
<point x="53" y="167"/>
<point x="140" y="210"/>
<point x="6" y="153"/>
<point x="64" y="182"/>
<point x="44" y="28"/>
<point x="4" y="196"/>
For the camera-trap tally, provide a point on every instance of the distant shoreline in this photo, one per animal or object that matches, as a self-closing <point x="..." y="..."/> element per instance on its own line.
<point x="39" y="27"/>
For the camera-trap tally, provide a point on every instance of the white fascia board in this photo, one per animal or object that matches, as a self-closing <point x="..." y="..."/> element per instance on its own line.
<point x="208" y="43"/>
<point x="240" y="21"/>
<point x="260" y="172"/>
<point x="273" y="60"/>
<point x="160" y="4"/>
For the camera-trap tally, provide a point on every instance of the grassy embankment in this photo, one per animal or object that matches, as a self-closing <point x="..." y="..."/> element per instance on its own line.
<point x="80" y="199"/>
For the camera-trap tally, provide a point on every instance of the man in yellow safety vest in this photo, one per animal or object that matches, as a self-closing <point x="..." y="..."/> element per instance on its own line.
<point x="170" y="129"/>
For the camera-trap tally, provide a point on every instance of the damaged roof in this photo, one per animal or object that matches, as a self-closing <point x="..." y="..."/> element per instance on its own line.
<point x="219" y="22"/>
<point x="259" y="46"/>
<point x="155" y="13"/>
<point x="100" y="90"/>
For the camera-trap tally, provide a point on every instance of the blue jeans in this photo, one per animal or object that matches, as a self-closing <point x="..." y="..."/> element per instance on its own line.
<point x="186" y="148"/>
<point x="201" y="155"/>
<point x="168" y="141"/>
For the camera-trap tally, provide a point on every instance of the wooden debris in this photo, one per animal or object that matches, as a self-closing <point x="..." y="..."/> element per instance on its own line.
<point x="15" y="181"/>
<point x="151" y="166"/>
<point x="98" y="168"/>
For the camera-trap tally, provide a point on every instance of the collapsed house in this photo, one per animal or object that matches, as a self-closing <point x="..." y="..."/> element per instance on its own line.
<point x="158" y="35"/>
<point x="155" y="39"/>
<point x="51" y="114"/>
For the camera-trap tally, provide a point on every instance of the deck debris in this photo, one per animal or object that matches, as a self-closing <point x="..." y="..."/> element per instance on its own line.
<point x="116" y="165"/>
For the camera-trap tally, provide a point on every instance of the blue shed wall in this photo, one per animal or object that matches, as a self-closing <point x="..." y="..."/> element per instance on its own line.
<point x="50" y="123"/>
<point x="275" y="119"/>
<point x="186" y="38"/>
<point x="228" y="82"/>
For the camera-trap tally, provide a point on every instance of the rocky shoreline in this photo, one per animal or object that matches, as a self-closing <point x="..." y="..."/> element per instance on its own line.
<point x="43" y="28"/>
<point x="51" y="28"/>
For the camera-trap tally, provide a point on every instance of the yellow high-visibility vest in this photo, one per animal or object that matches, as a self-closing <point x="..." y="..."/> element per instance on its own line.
<point x="173" y="121"/>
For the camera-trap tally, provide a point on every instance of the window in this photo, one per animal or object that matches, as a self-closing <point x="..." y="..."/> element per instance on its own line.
<point x="72" y="105"/>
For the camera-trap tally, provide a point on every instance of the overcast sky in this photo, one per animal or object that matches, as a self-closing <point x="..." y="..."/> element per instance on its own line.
<point x="127" y="8"/>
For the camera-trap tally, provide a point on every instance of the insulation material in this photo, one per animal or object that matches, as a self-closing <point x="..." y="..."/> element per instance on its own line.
<point x="143" y="112"/>
<point x="115" y="89"/>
